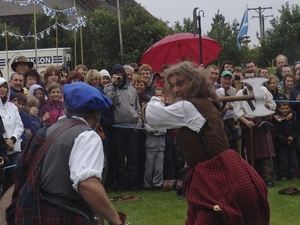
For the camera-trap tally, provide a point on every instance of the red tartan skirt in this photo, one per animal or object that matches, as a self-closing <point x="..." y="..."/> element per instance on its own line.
<point x="53" y="215"/>
<point x="261" y="142"/>
<point x="230" y="182"/>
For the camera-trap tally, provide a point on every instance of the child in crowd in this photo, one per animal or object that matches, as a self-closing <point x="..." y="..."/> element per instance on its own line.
<point x="53" y="107"/>
<point x="233" y="131"/>
<point x="32" y="106"/>
<point x="20" y="100"/>
<point x="38" y="92"/>
<point x="286" y="134"/>
<point x="155" y="147"/>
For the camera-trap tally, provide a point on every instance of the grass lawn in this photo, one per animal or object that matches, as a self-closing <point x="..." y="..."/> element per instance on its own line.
<point x="164" y="208"/>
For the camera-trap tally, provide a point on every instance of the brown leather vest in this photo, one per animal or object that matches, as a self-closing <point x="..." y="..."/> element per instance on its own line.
<point x="210" y="141"/>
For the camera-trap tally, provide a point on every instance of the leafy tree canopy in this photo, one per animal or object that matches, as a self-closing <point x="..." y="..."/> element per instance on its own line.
<point x="187" y="26"/>
<point x="283" y="36"/>
<point x="12" y="42"/>
<point x="226" y="33"/>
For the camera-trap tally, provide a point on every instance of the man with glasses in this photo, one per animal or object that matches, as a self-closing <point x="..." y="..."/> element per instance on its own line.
<point x="256" y="139"/>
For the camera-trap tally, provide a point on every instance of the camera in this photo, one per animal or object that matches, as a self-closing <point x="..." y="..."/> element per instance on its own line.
<point x="237" y="77"/>
<point x="118" y="77"/>
<point x="64" y="69"/>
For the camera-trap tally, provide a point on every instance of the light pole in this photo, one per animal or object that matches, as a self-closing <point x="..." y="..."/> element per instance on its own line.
<point x="120" y="30"/>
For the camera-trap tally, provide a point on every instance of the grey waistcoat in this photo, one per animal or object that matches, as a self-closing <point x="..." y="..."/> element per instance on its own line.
<point x="56" y="185"/>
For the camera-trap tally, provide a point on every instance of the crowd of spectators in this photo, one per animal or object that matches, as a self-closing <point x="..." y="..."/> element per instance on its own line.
<point x="138" y="156"/>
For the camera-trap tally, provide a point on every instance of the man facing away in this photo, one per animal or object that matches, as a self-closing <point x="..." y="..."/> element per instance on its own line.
<point x="221" y="187"/>
<point x="70" y="178"/>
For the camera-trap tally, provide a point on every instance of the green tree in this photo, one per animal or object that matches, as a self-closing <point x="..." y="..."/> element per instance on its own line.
<point x="12" y="41"/>
<point x="226" y="33"/>
<point x="101" y="35"/>
<point x="101" y="44"/>
<point x="283" y="36"/>
<point x="140" y="30"/>
<point x="187" y="26"/>
<point x="46" y="32"/>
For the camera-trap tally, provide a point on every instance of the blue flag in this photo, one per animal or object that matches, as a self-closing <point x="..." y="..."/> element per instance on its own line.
<point x="243" y="29"/>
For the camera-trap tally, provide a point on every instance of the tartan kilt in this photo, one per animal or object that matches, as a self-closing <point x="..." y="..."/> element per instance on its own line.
<point x="230" y="182"/>
<point x="53" y="215"/>
<point x="261" y="139"/>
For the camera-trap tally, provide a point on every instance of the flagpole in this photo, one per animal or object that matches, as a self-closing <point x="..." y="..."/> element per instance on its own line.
<point x="35" y="41"/>
<point x="75" y="52"/>
<point x="6" y="47"/>
<point x="120" y="30"/>
<point x="56" y="40"/>
<point x="81" y="45"/>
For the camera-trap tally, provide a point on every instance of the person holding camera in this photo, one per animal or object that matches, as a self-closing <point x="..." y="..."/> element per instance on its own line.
<point x="127" y="120"/>
<point x="63" y="75"/>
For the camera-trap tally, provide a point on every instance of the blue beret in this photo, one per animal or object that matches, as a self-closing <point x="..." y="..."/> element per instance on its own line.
<point x="81" y="97"/>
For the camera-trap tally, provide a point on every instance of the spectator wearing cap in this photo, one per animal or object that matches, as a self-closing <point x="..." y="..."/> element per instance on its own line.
<point x="226" y="89"/>
<point x="105" y="77"/>
<point x="135" y="67"/>
<point x="21" y="65"/>
<point x="145" y="72"/>
<point x="72" y="166"/>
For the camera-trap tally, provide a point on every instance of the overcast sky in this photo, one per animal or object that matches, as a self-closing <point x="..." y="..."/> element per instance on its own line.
<point x="176" y="10"/>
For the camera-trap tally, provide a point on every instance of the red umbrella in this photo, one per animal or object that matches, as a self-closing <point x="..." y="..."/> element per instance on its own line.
<point x="179" y="47"/>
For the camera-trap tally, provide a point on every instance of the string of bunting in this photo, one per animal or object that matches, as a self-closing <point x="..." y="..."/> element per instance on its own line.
<point x="41" y="35"/>
<point x="48" y="12"/>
